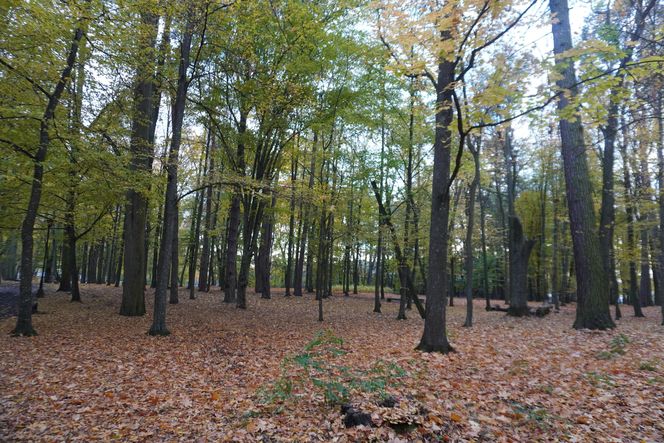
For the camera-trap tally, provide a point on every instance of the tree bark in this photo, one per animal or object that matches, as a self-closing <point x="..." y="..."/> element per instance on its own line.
<point x="170" y="206"/>
<point x="434" y="336"/>
<point x="133" y="288"/>
<point x="592" y="285"/>
<point x="519" y="269"/>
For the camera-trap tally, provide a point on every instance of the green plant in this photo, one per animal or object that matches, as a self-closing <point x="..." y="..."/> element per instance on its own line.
<point x="617" y="347"/>
<point x="600" y="380"/>
<point x="318" y="369"/>
<point x="648" y="365"/>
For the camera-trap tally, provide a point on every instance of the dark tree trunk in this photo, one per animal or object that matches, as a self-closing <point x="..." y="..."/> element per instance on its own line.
<point x="25" y="301"/>
<point x="71" y="238"/>
<point x="631" y="243"/>
<point x="592" y="285"/>
<point x="205" y="249"/>
<point x="305" y="248"/>
<point x="195" y="233"/>
<point x="468" y="244"/>
<point x="40" y="291"/>
<point x="230" y="280"/>
<point x="170" y="206"/>
<point x="110" y="270"/>
<point x="52" y="262"/>
<point x="65" y="277"/>
<point x="155" y="251"/>
<point x="118" y="269"/>
<point x="521" y="248"/>
<point x="175" y="255"/>
<point x="434" y="336"/>
<point x="660" y="197"/>
<point x="141" y="147"/>
<point x="288" y="277"/>
<point x="485" y="266"/>
<point x="402" y="261"/>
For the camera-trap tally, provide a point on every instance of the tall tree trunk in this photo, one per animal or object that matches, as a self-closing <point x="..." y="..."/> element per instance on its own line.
<point x="304" y="247"/>
<point x="170" y="206"/>
<point x="468" y="244"/>
<point x="230" y="280"/>
<point x="141" y="147"/>
<point x="434" y="336"/>
<point x="288" y="277"/>
<point x="631" y="244"/>
<point x="592" y="285"/>
<point x="660" y="197"/>
<point x="25" y="301"/>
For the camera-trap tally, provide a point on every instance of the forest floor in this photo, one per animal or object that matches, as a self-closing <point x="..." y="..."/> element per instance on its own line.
<point x="268" y="374"/>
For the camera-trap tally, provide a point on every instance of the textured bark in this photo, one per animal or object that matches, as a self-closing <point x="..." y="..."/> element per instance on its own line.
<point x="141" y="148"/>
<point x="519" y="255"/>
<point x="434" y="336"/>
<point x="592" y="285"/>
<point x="660" y="197"/>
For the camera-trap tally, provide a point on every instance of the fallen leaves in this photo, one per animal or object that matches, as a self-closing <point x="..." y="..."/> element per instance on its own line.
<point x="93" y="375"/>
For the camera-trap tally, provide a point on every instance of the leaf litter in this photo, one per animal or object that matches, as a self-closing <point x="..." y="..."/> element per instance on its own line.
<point x="274" y="373"/>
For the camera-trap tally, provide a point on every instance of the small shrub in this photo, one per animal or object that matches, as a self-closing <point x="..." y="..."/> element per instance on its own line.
<point x="317" y="369"/>
<point x="617" y="347"/>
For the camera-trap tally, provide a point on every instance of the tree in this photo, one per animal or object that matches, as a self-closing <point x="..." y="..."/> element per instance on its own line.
<point x="53" y="97"/>
<point x="592" y="285"/>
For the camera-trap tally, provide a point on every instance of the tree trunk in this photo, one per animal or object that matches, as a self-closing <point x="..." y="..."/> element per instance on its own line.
<point x="230" y="280"/>
<point x="434" y="336"/>
<point x="170" y="206"/>
<point x="25" y="302"/>
<point x="205" y="249"/>
<point x="521" y="248"/>
<point x="631" y="244"/>
<point x="468" y="244"/>
<point x="288" y="274"/>
<point x="133" y="288"/>
<point x="175" y="255"/>
<point x="660" y="197"/>
<point x="592" y="285"/>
